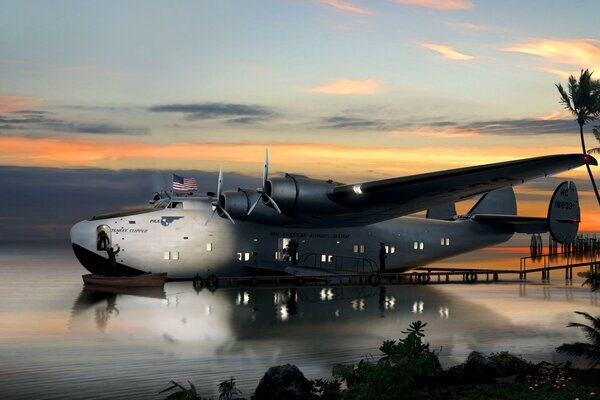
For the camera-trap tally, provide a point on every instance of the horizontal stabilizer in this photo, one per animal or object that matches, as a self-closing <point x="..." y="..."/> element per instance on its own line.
<point x="520" y="224"/>
<point x="562" y="221"/>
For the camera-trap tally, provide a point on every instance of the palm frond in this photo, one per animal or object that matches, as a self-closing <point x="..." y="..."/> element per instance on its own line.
<point x="596" y="130"/>
<point x="565" y="99"/>
<point x="579" y="349"/>
<point x="594" y="320"/>
<point x="581" y="97"/>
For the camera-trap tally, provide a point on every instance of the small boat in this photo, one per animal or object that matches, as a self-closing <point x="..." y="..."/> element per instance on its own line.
<point x="143" y="280"/>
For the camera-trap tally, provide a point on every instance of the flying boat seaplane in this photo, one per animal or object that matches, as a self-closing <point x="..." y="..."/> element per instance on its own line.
<point x="300" y="226"/>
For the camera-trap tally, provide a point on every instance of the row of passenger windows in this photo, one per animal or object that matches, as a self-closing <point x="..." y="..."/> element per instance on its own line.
<point x="357" y="248"/>
<point x="170" y="255"/>
<point x="360" y="248"/>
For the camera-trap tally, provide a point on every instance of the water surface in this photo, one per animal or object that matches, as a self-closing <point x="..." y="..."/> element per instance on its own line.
<point x="60" y="340"/>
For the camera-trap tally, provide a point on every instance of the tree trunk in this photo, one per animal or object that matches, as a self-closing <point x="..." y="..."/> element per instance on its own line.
<point x="582" y="139"/>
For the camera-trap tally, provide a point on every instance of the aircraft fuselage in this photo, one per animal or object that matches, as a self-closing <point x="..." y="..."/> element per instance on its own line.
<point x="177" y="241"/>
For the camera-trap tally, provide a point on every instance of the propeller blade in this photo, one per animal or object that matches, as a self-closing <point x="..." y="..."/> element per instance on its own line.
<point x="211" y="217"/>
<point x="275" y="206"/>
<point x="253" y="205"/>
<point x="220" y="183"/>
<point x="227" y="215"/>
<point x="265" y="170"/>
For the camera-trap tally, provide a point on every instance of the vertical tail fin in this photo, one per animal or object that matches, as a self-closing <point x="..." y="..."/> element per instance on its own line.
<point x="501" y="201"/>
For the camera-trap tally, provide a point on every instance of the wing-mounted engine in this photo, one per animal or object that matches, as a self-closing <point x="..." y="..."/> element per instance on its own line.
<point x="237" y="204"/>
<point x="297" y="194"/>
<point x="563" y="213"/>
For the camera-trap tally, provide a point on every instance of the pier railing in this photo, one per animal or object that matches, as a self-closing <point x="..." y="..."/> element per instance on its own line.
<point x="566" y="260"/>
<point x="338" y="263"/>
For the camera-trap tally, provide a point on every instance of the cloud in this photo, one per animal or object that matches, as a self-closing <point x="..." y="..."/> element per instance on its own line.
<point x="308" y="158"/>
<point x="440" y="4"/>
<point x="51" y="200"/>
<point x="519" y="127"/>
<point x="37" y="121"/>
<point x="447" y="52"/>
<point x="351" y="123"/>
<point x="436" y="132"/>
<point x="545" y="125"/>
<point x="557" y="122"/>
<point x="554" y="116"/>
<point x="193" y="112"/>
<point x="346" y="86"/>
<point x="469" y="26"/>
<point x="14" y="103"/>
<point x="348" y="7"/>
<point x="581" y="53"/>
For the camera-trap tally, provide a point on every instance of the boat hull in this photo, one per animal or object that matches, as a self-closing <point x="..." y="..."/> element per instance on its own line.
<point x="144" y="280"/>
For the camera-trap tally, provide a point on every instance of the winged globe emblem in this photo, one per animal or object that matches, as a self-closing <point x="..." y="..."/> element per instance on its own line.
<point x="166" y="221"/>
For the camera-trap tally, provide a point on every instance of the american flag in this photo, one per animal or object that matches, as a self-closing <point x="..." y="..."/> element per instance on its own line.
<point x="184" y="184"/>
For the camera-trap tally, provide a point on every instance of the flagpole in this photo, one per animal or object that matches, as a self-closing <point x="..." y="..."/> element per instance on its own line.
<point x="172" y="192"/>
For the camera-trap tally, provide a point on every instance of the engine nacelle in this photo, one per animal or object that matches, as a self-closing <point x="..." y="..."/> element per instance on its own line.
<point x="301" y="194"/>
<point x="235" y="203"/>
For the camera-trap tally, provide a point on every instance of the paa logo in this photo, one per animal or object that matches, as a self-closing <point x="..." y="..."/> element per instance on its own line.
<point x="166" y="221"/>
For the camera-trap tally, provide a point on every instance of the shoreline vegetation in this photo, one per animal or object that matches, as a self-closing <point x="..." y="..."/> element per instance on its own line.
<point x="408" y="369"/>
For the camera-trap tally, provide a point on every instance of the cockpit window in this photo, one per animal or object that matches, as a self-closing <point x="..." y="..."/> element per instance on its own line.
<point x="159" y="205"/>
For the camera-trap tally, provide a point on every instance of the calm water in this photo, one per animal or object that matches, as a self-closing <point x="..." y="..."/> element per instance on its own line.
<point x="59" y="340"/>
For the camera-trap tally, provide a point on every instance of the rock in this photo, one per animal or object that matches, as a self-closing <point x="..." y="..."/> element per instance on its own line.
<point x="285" y="382"/>
<point x="479" y="369"/>
<point x="509" y="364"/>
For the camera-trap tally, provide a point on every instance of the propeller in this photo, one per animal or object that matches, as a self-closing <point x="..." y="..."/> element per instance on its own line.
<point x="217" y="204"/>
<point x="262" y="191"/>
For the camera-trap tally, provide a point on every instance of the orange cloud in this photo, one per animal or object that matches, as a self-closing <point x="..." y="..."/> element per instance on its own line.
<point x="467" y="26"/>
<point x="447" y="52"/>
<point x="558" y="72"/>
<point x="440" y="4"/>
<point x="554" y="116"/>
<point x="345" y="6"/>
<point x="11" y="103"/>
<point x="310" y="158"/>
<point x="346" y="86"/>
<point x="583" y="53"/>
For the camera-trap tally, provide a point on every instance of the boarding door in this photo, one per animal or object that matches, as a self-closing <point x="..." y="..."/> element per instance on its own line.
<point x="103" y="238"/>
<point x="282" y="253"/>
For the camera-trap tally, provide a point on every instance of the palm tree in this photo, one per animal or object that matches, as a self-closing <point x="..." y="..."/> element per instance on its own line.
<point x="596" y="132"/>
<point x="583" y="100"/>
<point x="590" y="350"/>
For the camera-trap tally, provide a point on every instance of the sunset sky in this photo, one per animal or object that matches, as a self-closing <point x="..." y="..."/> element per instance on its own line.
<point x="348" y="90"/>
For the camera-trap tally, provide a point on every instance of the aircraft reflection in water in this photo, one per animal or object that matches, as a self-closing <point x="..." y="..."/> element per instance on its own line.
<point x="302" y="226"/>
<point x="306" y="322"/>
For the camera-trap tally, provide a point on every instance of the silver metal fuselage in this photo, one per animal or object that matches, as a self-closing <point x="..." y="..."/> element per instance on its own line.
<point x="177" y="241"/>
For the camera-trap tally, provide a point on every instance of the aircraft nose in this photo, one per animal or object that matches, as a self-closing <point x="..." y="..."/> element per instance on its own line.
<point x="83" y="234"/>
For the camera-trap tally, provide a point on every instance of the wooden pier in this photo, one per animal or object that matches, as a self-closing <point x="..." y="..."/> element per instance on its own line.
<point x="571" y="260"/>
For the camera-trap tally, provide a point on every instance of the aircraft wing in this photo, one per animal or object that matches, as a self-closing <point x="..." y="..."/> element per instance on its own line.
<point x="380" y="200"/>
